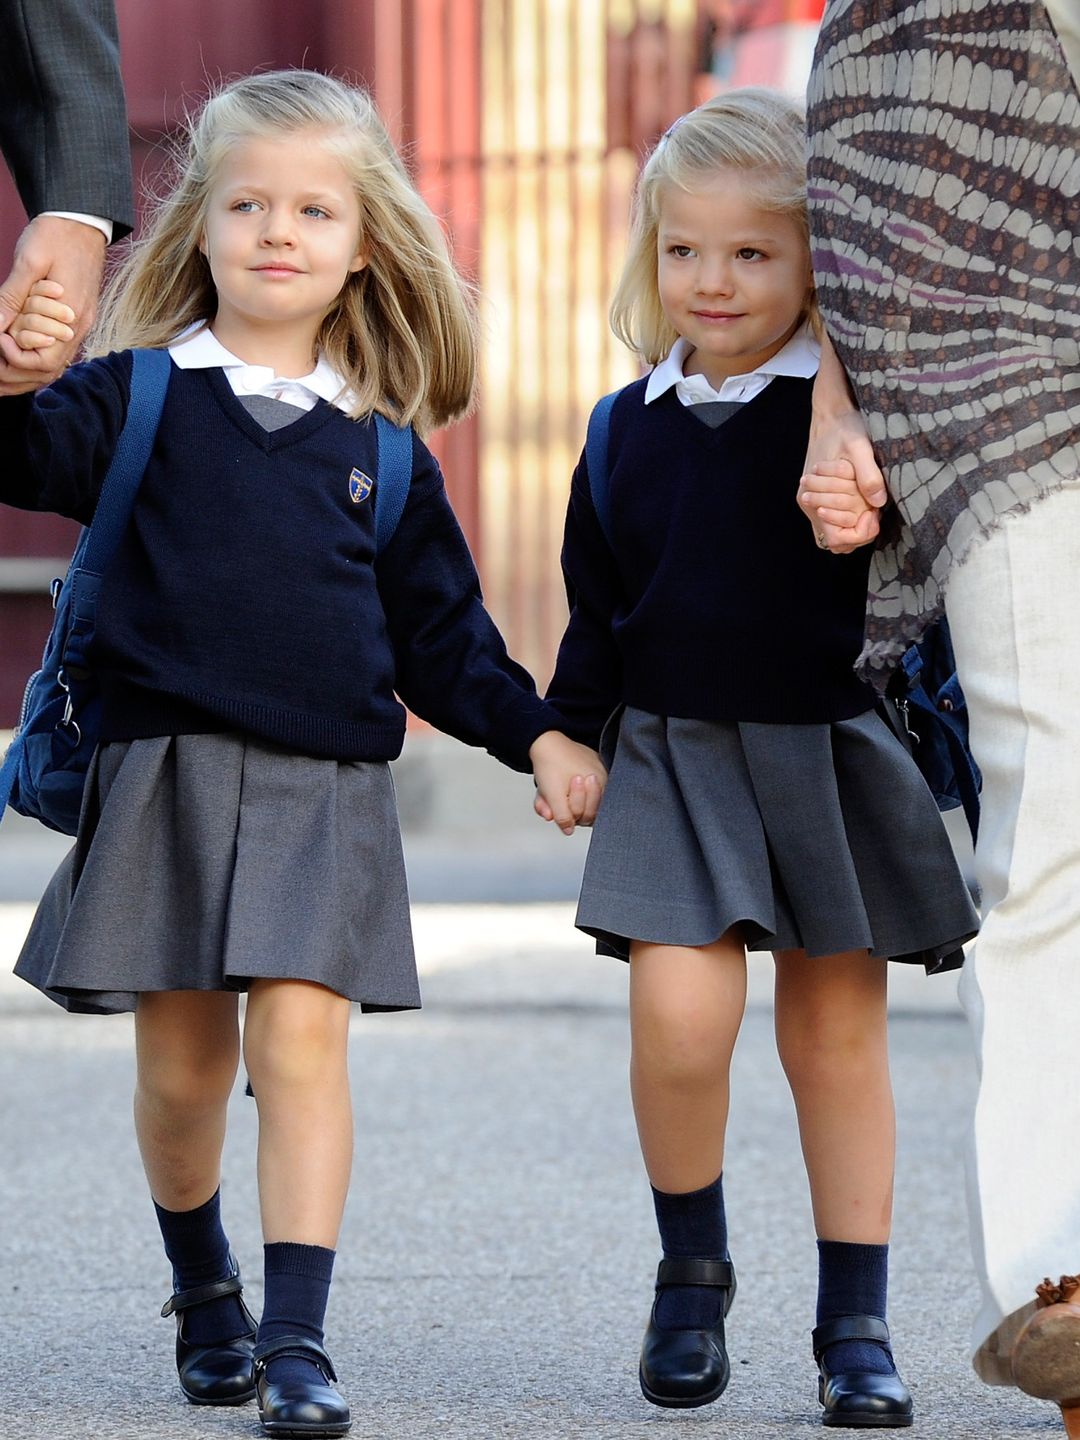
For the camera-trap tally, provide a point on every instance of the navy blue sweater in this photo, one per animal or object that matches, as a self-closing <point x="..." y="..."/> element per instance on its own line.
<point x="715" y="603"/>
<point x="246" y="593"/>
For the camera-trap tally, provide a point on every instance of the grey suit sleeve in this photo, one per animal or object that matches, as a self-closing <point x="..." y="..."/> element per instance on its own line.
<point x="63" y="123"/>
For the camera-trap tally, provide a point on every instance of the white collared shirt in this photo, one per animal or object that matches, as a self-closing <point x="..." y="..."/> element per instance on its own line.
<point x="799" y="357"/>
<point x="198" y="348"/>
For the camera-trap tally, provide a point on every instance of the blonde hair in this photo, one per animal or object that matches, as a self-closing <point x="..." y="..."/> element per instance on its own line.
<point x="403" y="329"/>
<point x="753" y="130"/>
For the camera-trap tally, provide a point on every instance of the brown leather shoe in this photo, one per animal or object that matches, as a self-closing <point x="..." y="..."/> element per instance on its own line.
<point x="1045" y="1357"/>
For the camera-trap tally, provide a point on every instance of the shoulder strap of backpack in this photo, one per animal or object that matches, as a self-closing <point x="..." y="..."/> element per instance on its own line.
<point x="966" y="785"/>
<point x="150" y="371"/>
<point x="393" y="477"/>
<point x="596" y="460"/>
<point x="8" y="771"/>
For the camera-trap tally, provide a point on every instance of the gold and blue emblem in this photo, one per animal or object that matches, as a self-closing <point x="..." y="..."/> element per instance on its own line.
<point x="359" y="487"/>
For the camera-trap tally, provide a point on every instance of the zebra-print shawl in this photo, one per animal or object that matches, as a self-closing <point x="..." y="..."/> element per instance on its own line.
<point x="944" y="174"/>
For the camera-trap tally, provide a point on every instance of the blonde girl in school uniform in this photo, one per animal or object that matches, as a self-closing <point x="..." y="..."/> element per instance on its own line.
<point x="756" y="800"/>
<point x="239" y="832"/>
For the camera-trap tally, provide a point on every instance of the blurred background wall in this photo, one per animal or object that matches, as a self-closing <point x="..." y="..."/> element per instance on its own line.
<point x="524" y="122"/>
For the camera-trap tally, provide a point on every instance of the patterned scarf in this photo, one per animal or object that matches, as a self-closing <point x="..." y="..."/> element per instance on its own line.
<point x="944" y="179"/>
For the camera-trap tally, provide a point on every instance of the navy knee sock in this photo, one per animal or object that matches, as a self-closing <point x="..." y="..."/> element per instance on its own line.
<point x="691" y="1225"/>
<point x="297" y="1289"/>
<point x="198" y="1250"/>
<point x="853" y="1280"/>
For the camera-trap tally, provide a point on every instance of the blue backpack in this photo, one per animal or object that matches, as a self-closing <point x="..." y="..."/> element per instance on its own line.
<point x="924" y="705"/>
<point x="44" y="771"/>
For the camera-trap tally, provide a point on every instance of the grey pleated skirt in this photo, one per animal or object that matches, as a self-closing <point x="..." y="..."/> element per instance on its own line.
<point x="204" y="862"/>
<point x="823" y="838"/>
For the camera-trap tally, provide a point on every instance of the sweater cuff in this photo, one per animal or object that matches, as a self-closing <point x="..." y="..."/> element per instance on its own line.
<point x="519" y="726"/>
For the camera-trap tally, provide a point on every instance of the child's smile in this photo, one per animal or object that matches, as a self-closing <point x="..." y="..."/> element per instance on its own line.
<point x="733" y="277"/>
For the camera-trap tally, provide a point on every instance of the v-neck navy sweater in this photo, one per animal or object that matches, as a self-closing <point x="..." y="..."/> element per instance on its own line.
<point x="246" y="593"/>
<point x="715" y="603"/>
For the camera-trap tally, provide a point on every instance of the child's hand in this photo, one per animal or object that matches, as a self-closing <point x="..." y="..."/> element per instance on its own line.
<point x="44" y="319"/>
<point x="570" y="780"/>
<point x="841" y="518"/>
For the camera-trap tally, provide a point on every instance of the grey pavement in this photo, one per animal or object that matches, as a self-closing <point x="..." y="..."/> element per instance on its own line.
<point x="498" y="1249"/>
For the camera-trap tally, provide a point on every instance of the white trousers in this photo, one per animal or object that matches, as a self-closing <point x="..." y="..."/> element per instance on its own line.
<point x="1066" y="17"/>
<point x="1014" y="611"/>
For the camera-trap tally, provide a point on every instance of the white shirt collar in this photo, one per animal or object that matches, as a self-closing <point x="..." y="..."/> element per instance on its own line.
<point x="799" y="357"/>
<point x="198" y="348"/>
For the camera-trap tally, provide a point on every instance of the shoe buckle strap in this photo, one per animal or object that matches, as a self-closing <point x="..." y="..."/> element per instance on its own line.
<point x="686" y="1270"/>
<point x="301" y="1347"/>
<point x="850" y="1327"/>
<point x="199" y="1294"/>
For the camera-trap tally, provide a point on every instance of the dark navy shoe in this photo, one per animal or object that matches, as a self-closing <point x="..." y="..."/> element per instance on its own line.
<point x="685" y="1368"/>
<point x="222" y="1373"/>
<point x="300" y="1409"/>
<point x="856" y="1399"/>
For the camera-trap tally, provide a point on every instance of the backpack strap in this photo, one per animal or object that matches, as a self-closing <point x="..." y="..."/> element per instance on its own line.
<point x="596" y="460"/>
<point x="8" y="772"/>
<point x="150" y="372"/>
<point x="967" y="787"/>
<point x="393" y="477"/>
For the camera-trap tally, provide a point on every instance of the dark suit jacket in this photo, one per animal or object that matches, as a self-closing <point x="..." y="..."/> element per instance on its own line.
<point x="63" y="125"/>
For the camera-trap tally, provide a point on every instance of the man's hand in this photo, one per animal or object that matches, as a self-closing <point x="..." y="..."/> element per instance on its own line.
<point x="72" y="254"/>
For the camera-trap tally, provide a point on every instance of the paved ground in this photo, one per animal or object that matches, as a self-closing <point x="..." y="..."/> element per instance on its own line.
<point x="498" y="1249"/>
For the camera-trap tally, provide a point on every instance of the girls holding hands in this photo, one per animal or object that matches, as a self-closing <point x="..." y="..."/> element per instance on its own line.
<point x="238" y="832"/>
<point x="756" y="801"/>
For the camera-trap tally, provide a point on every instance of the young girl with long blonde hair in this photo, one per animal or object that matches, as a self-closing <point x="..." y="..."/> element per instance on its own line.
<point x="756" y="800"/>
<point x="239" y="832"/>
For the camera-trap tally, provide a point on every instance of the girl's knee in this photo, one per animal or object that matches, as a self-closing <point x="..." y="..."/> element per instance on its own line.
<point x="186" y="1082"/>
<point x="187" y="1051"/>
<point x="838" y="1051"/>
<point x="675" y="1044"/>
<point x="830" y="1007"/>
<point x="295" y="1032"/>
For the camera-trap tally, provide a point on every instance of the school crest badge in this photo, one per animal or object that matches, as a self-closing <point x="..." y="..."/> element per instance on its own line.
<point x="359" y="487"/>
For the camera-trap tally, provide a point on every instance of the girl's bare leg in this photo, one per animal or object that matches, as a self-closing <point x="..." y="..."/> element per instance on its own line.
<point x="296" y="1037"/>
<point x="296" y="1051"/>
<point x="832" y="1038"/>
<point x="686" y="1006"/>
<point x="831" y="1034"/>
<point x="187" y="1048"/>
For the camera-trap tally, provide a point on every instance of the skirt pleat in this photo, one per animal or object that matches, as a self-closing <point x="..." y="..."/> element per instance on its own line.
<point x="204" y="862"/>
<point x="823" y="838"/>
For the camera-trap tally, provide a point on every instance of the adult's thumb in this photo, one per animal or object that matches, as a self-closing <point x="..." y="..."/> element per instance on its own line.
<point x="14" y="291"/>
<point x="868" y="477"/>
